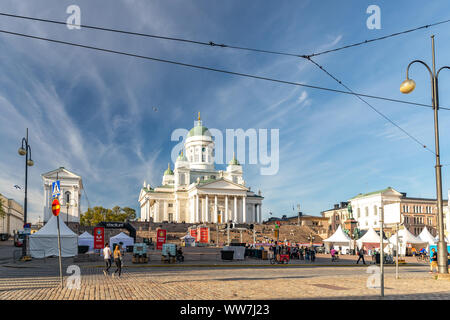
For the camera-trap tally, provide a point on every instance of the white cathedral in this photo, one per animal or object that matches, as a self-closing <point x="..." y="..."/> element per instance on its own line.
<point x="195" y="192"/>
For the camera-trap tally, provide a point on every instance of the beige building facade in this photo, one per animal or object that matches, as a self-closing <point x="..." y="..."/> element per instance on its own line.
<point x="12" y="219"/>
<point x="414" y="213"/>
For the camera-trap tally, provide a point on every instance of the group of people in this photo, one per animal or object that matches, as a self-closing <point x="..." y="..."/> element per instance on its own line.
<point x="118" y="258"/>
<point x="295" y="252"/>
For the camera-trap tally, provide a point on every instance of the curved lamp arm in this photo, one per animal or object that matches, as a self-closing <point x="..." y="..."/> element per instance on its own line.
<point x="29" y="151"/>
<point x="444" y="67"/>
<point x="419" y="61"/>
<point x="24" y="143"/>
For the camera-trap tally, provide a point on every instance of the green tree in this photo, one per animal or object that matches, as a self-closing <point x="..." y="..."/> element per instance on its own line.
<point x="98" y="214"/>
<point x="130" y="213"/>
<point x="95" y="215"/>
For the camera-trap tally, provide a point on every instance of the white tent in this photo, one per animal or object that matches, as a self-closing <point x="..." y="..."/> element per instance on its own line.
<point x="86" y="239"/>
<point x="121" y="237"/>
<point x="437" y="238"/>
<point x="44" y="243"/>
<point x="338" y="239"/>
<point x="406" y="239"/>
<point x="427" y="237"/>
<point x="369" y="240"/>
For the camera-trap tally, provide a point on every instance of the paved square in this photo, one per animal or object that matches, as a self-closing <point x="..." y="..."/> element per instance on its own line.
<point x="217" y="283"/>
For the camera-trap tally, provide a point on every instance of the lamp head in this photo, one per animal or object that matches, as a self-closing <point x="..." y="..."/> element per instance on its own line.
<point x="30" y="163"/>
<point x="407" y="86"/>
<point x="22" y="151"/>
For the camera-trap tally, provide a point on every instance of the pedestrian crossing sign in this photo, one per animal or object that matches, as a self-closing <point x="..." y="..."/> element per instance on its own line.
<point x="56" y="189"/>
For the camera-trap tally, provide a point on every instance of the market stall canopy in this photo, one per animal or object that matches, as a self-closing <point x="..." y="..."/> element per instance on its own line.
<point x="406" y="237"/>
<point x="369" y="237"/>
<point x="86" y="239"/>
<point x="437" y="238"/>
<point x="121" y="237"/>
<point x="426" y="236"/>
<point x="339" y="236"/>
<point x="44" y="243"/>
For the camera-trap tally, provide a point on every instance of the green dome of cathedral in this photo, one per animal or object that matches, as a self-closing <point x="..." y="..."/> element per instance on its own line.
<point x="234" y="161"/>
<point x="199" y="129"/>
<point x="169" y="171"/>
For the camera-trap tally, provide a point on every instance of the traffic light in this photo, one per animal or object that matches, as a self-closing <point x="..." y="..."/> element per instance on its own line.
<point x="276" y="233"/>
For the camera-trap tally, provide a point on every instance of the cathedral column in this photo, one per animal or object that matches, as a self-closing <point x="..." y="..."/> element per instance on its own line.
<point x="158" y="211"/>
<point x="216" y="218"/>
<point x="235" y="210"/>
<point x="165" y="217"/>
<point x="244" y="210"/>
<point x="259" y="213"/>
<point x="197" y="209"/>
<point x="206" y="213"/>
<point x="226" y="210"/>
<point x="177" y="210"/>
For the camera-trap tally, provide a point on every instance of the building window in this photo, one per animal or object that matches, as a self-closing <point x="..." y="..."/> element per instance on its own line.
<point x="367" y="211"/>
<point x="367" y="223"/>
<point x="359" y="212"/>
<point x="375" y="210"/>
<point x="67" y="197"/>
<point x="170" y="205"/>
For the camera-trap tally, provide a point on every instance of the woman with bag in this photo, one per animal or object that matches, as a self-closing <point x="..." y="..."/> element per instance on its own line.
<point x="118" y="260"/>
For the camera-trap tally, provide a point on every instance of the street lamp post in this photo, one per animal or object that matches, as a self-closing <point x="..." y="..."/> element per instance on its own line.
<point x="406" y="87"/>
<point x="381" y="251"/>
<point x="25" y="150"/>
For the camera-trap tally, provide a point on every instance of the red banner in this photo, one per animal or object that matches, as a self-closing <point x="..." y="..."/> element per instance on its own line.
<point x="203" y="235"/>
<point x="193" y="233"/>
<point x="99" y="238"/>
<point x="160" y="238"/>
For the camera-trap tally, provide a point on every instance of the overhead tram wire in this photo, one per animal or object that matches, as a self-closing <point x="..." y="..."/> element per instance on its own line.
<point x="213" y="44"/>
<point x="240" y="74"/>
<point x="372" y="107"/>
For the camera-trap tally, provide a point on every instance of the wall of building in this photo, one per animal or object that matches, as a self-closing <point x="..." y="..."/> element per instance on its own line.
<point x="13" y="218"/>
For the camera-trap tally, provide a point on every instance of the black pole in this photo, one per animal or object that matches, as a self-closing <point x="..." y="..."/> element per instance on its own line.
<point x="442" y="245"/>
<point x="24" y="245"/>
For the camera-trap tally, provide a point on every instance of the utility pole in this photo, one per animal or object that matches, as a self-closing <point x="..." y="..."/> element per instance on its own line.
<point x="408" y="86"/>
<point x="228" y="232"/>
<point x="381" y="251"/>
<point x="396" y="255"/>
<point x="217" y="229"/>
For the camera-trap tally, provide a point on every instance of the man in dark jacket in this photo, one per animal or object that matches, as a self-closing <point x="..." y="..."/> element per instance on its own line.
<point x="361" y="256"/>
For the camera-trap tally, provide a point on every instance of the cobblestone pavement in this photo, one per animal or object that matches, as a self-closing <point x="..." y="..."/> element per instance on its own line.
<point x="41" y="283"/>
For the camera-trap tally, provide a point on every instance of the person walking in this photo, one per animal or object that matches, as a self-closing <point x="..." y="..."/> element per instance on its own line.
<point x="361" y="256"/>
<point x="107" y="258"/>
<point x="313" y="254"/>
<point x="117" y="260"/>
<point x="433" y="260"/>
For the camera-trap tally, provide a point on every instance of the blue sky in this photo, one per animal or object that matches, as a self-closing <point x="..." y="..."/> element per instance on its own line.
<point x="92" y="112"/>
